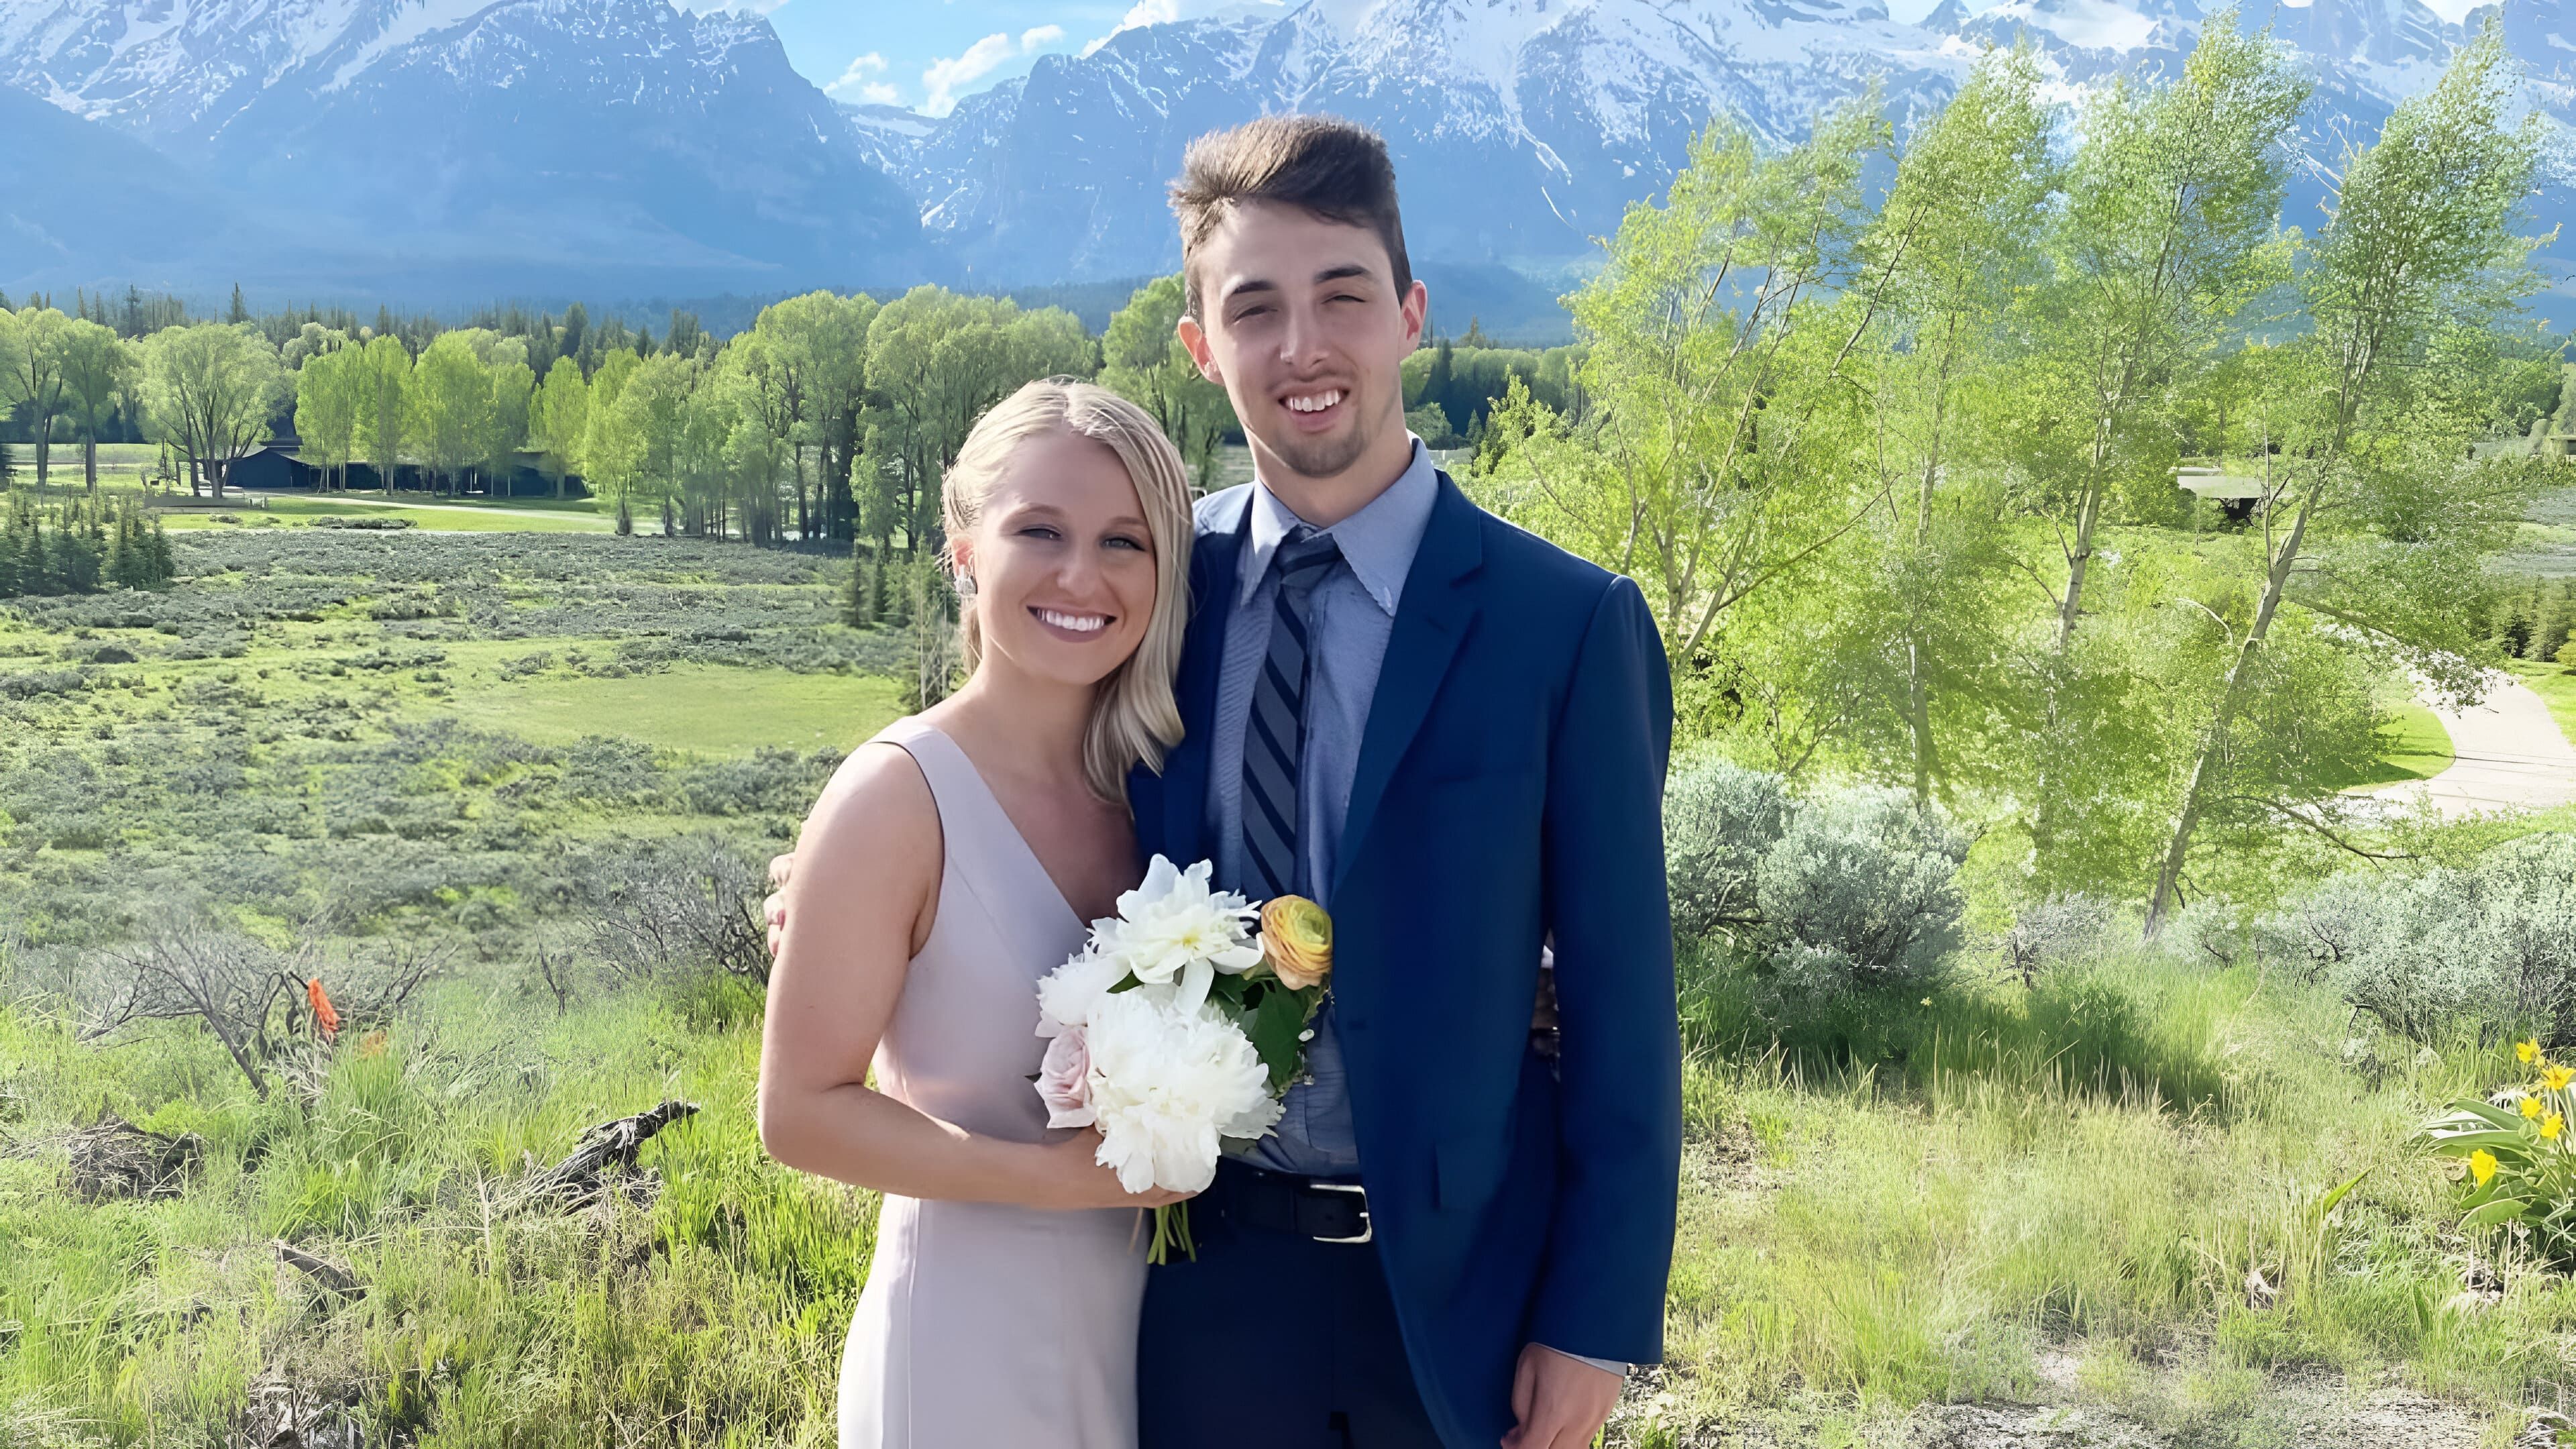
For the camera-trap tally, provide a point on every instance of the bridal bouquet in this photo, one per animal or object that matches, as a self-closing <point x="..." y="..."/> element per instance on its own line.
<point x="1177" y="1028"/>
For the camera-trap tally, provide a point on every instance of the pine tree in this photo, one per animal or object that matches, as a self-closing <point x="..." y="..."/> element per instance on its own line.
<point x="859" y="603"/>
<point x="237" y="313"/>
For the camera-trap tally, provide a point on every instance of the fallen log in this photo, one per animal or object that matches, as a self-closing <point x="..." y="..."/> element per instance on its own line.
<point x="606" y="1150"/>
<point x="329" y="1274"/>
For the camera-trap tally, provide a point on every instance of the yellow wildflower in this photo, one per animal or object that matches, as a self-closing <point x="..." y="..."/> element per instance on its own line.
<point x="2549" y="1126"/>
<point x="2531" y="1106"/>
<point x="2526" y="1052"/>
<point x="2557" y="1078"/>
<point x="2482" y="1165"/>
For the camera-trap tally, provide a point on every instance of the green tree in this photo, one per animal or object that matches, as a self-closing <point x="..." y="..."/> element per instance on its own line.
<point x="558" y="417"/>
<point x="2418" y="261"/>
<point x="1718" y="454"/>
<point x="1952" y="248"/>
<point x="98" y="369"/>
<point x="2169" y="228"/>
<point x="34" y="347"/>
<point x="1144" y="362"/>
<point x="382" y="382"/>
<point x="451" y="408"/>
<point x="211" y="389"/>
<point x="327" y="404"/>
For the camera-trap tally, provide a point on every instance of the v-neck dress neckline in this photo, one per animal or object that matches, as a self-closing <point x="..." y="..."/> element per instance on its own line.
<point x="1001" y="819"/>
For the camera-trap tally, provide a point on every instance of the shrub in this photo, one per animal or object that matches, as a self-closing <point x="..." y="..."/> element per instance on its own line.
<point x="2056" y="931"/>
<point x="1718" y="820"/>
<point x="2487" y="949"/>
<point x="1861" y="890"/>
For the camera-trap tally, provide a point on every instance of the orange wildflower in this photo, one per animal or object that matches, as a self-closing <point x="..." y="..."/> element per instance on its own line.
<point x="323" y="1015"/>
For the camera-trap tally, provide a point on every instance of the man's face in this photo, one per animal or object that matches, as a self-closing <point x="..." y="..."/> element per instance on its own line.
<point x="1302" y="324"/>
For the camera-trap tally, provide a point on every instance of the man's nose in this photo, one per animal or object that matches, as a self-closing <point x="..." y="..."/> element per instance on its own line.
<point x="1301" y="342"/>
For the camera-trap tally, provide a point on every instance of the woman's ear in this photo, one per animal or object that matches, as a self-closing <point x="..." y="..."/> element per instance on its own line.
<point x="961" y="558"/>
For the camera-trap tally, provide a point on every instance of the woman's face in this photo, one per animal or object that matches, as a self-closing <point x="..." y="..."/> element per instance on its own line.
<point x="1062" y="561"/>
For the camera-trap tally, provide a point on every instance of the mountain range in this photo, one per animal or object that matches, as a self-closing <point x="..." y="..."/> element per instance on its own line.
<point x="433" y="151"/>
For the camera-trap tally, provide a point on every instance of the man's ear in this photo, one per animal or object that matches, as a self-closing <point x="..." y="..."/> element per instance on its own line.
<point x="1417" y="313"/>
<point x="1194" y="338"/>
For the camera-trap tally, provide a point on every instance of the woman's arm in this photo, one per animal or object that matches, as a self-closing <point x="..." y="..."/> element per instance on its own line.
<point x="858" y="904"/>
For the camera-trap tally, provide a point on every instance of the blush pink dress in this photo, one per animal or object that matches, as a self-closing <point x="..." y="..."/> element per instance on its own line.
<point x="984" y="1326"/>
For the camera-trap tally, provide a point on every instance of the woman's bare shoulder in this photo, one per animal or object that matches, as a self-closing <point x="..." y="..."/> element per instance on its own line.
<point x="877" y="804"/>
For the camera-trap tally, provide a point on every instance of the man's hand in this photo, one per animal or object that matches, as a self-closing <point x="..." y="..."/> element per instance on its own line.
<point x="1560" y="1402"/>
<point x="774" y="909"/>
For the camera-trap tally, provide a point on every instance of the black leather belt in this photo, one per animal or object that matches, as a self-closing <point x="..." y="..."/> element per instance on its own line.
<point x="1275" y="1202"/>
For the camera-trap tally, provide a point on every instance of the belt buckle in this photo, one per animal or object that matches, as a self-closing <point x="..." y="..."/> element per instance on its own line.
<point x="1368" y="1221"/>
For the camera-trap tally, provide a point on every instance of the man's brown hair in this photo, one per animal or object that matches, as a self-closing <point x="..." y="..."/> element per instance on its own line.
<point x="1322" y="165"/>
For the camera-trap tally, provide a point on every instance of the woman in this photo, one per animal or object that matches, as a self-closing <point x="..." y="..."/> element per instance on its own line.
<point x="950" y="863"/>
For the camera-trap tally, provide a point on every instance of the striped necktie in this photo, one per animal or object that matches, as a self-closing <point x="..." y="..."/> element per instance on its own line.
<point x="1276" y="733"/>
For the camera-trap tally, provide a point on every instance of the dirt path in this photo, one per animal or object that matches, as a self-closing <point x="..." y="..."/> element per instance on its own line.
<point x="2508" y="755"/>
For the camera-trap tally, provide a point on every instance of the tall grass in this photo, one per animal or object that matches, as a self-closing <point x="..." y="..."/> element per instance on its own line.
<point x="714" y="1316"/>
<point x="1895" y="1202"/>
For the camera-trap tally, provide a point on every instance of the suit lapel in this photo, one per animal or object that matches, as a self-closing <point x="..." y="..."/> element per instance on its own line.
<point x="1430" y="621"/>
<point x="1185" y="774"/>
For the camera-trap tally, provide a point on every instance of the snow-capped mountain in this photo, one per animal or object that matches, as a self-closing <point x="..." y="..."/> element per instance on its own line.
<point x="1523" y="128"/>
<point x="403" y="142"/>
<point x="420" y="148"/>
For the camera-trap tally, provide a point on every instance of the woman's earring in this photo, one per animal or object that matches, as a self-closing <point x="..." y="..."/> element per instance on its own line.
<point x="965" y="586"/>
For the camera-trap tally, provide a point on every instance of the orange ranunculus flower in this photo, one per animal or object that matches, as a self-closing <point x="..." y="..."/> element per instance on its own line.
<point x="323" y="1015"/>
<point x="1297" y="941"/>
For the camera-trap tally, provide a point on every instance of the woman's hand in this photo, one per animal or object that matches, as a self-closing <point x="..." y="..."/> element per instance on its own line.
<point x="774" y="909"/>
<point x="1072" y="1177"/>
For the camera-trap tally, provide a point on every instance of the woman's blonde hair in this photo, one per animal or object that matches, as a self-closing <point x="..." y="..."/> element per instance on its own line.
<point x="1135" y="717"/>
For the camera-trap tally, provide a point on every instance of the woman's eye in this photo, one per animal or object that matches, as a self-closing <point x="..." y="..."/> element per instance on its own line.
<point x="1122" y="541"/>
<point x="1038" y="530"/>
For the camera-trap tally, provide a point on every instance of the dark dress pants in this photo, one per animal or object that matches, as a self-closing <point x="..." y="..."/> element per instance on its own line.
<point x="1273" y="1341"/>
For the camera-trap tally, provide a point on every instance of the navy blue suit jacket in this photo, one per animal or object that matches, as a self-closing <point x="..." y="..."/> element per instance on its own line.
<point x="1509" y="788"/>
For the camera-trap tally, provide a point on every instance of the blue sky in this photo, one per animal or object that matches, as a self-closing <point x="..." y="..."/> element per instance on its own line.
<point x="926" y="53"/>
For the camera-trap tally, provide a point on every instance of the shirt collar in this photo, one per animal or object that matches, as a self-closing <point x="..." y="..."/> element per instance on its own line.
<point x="1378" y="542"/>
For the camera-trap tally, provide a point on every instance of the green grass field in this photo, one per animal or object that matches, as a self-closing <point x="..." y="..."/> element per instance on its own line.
<point x="2557" y="689"/>
<point x="2416" y="748"/>
<point x="709" y="709"/>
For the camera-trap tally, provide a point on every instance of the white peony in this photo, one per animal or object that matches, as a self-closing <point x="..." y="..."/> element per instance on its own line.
<point x="1173" y="928"/>
<point x="1168" y="1084"/>
<point x="1067" y="994"/>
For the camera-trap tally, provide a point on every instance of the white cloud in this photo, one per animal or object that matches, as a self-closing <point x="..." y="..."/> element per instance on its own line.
<point x="1164" y="12"/>
<point x="1032" y="38"/>
<point x="878" y="93"/>
<point x="854" y="79"/>
<point x="945" y="76"/>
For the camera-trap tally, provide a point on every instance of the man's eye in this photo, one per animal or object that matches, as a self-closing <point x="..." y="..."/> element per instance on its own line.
<point x="1249" y="313"/>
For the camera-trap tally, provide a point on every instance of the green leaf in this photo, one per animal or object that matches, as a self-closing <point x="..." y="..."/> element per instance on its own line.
<point x="1274" y="1027"/>
<point x="2492" y="1114"/>
<point x="2457" y="1143"/>
<point x="2335" y="1198"/>
<point x="2502" y="1210"/>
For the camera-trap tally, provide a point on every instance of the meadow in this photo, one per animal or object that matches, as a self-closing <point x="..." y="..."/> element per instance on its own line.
<point x="506" y="795"/>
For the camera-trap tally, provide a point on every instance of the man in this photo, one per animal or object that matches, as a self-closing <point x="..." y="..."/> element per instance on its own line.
<point x="1452" y="735"/>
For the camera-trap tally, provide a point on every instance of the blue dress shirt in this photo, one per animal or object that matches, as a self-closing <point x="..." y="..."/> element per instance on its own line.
<point x="1353" y="613"/>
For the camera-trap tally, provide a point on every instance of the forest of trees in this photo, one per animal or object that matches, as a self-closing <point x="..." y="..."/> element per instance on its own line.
<point x="1899" y="478"/>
